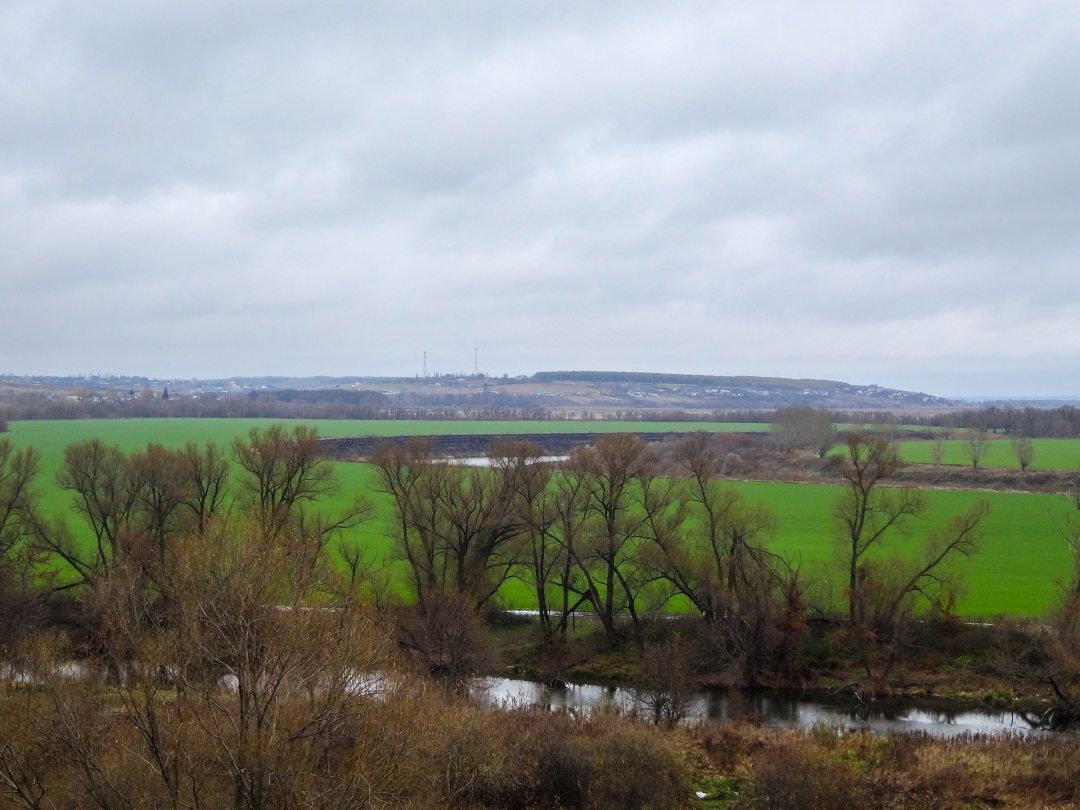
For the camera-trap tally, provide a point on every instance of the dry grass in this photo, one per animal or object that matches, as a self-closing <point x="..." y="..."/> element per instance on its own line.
<point x="823" y="768"/>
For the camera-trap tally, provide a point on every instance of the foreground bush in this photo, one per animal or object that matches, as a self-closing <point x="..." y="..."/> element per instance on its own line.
<point x="822" y="769"/>
<point x="83" y="743"/>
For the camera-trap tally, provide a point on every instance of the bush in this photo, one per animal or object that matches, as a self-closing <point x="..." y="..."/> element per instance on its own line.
<point x="564" y="770"/>
<point x="666" y="685"/>
<point x="794" y="778"/>
<point x="634" y="768"/>
<point x="447" y="635"/>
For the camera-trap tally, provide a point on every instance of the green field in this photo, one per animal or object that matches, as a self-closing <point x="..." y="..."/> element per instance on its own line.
<point x="1019" y="569"/>
<point x="52" y="435"/>
<point x="1050" y="454"/>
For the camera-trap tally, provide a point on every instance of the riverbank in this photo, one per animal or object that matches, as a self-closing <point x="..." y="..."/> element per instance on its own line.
<point x="951" y="669"/>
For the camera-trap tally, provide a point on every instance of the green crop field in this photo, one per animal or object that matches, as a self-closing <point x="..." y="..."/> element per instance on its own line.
<point x="50" y="437"/>
<point x="1019" y="569"/>
<point x="1050" y="454"/>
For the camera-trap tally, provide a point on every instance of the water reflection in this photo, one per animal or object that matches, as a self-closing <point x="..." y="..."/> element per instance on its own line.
<point x="772" y="710"/>
<point x="484" y="461"/>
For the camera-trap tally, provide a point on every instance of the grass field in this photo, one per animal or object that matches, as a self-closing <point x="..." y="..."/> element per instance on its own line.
<point x="1019" y="569"/>
<point x="50" y="437"/>
<point x="1050" y="454"/>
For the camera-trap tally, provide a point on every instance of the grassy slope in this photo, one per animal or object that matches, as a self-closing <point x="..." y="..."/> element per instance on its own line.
<point x="1017" y="571"/>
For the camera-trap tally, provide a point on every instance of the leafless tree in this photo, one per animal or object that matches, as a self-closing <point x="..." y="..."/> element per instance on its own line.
<point x="883" y="594"/>
<point x="611" y="474"/>
<point x="867" y="512"/>
<point x="236" y="689"/>
<point x="666" y="684"/>
<point x="569" y="528"/>
<point x="456" y="525"/>
<point x="894" y="590"/>
<point x="106" y="493"/>
<point x="285" y="473"/>
<point x="1024" y="449"/>
<point x="1047" y="653"/>
<point x="802" y="426"/>
<point x="19" y="575"/>
<point x="977" y="440"/>
<point x="937" y="446"/>
<point x="158" y="478"/>
<point x="712" y="550"/>
<point x="534" y="503"/>
<point x="206" y="477"/>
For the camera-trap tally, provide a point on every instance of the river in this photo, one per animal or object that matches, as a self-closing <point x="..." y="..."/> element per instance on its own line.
<point x="771" y="710"/>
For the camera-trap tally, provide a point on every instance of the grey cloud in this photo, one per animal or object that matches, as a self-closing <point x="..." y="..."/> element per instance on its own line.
<point x="877" y="192"/>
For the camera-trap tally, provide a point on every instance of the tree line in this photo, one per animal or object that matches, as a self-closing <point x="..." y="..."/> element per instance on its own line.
<point x="612" y="534"/>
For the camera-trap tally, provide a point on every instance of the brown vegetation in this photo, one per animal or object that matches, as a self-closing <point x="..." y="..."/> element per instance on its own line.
<point x="203" y="651"/>
<point x="824" y="768"/>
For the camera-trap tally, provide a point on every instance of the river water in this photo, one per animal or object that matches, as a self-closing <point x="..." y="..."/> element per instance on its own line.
<point x="775" y="710"/>
<point x="771" y="710"/>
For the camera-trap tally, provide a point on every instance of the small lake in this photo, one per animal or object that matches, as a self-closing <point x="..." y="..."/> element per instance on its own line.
<point x="770" y="710"/>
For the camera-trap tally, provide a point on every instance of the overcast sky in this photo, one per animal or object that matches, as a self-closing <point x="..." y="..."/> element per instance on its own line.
<point x="871" y="192"/>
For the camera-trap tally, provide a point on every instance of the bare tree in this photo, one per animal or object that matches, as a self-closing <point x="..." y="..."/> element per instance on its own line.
<point x="1046" y="652"/>
<point x="666" y="684"/>
<point x="569" y="527"/>
<point x="19" y="575"/>
<point x="867" y="512"/>
<point x="937" y="446"/>
<point x="1024" y="449"/>
<point x="106" y="493"/>
<point x="206" y="474"/>
<point x="285" y="474"/>
<point x="161" y="490"/>
<point x="894" y="590"/>
<point x="456" y="525"/>
<point x="977" y="440"/>
<point x="883" y="594"/>
<point x="534" y="503"/>
<point x="800" y="426"/>
<point x="236" y="690"/>
<point x="712" y="551"/>
<point x="611" y="473"/>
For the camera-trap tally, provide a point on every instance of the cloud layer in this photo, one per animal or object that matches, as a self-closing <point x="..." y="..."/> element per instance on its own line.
<point x="874" y="192"/>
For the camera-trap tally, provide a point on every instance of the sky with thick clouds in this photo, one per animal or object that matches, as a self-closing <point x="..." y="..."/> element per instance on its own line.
<point x="874" y="192"/>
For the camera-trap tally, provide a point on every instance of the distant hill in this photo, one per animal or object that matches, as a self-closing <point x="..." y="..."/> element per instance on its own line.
<point x="740" y="392"/>
<point x="475" y="395"/>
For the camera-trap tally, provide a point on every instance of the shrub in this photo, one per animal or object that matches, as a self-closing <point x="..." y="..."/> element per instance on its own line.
<point x="447" y="635"/>
<point x="797" y="778"/>
<point x="635" y="769"/>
